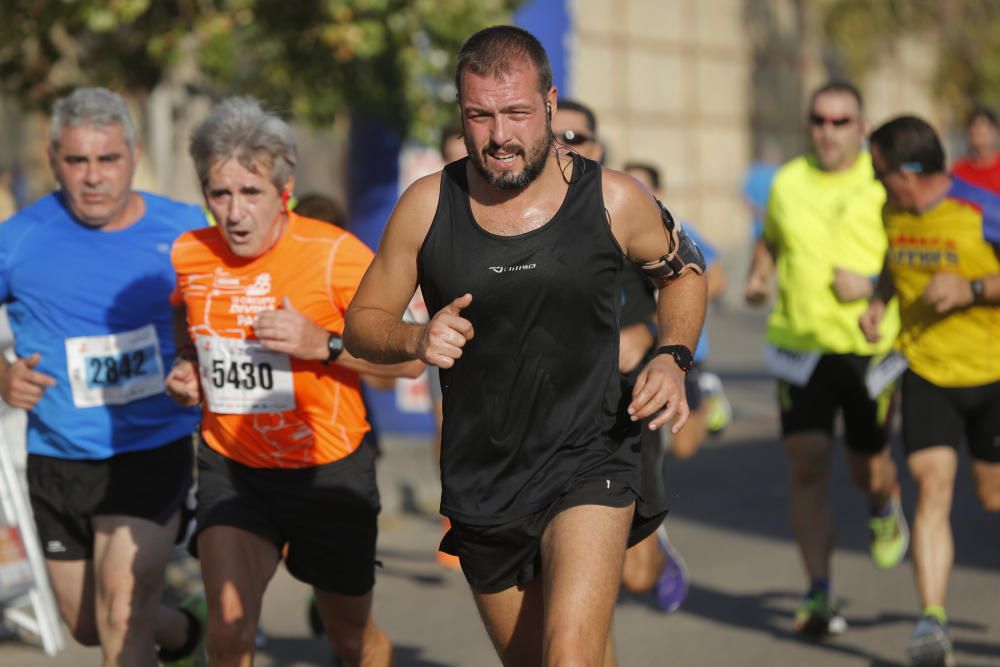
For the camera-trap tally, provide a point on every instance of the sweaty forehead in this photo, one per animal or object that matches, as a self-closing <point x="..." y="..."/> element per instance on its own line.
<point x="520" y="81"/>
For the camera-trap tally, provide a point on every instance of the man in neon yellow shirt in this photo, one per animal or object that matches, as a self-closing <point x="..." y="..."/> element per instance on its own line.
<point x="823" y="237"/>
<point x="942" y="264"/>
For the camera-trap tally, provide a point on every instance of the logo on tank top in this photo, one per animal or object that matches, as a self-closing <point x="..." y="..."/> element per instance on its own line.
<point x="513" y="267"/>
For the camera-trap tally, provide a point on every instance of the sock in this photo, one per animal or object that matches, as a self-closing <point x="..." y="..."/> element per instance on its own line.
<point x="821" y="585"/>
<point x="883" y="512"/>
<point x="936" y="611"/>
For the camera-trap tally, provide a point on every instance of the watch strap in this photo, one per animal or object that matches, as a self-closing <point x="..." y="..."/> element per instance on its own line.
<point x="680" y="353"/>
<point x="978" y="290"/>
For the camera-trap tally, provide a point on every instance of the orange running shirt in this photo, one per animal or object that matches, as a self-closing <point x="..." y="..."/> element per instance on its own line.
<point x="266" y="409"/>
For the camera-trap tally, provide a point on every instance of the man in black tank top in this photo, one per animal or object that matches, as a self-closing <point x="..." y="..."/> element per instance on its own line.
<point x="519" y="251"/>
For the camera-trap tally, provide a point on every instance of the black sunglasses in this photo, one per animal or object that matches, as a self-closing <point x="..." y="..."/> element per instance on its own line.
<point x="572" y="138"/>
<point x="818" y="121"/>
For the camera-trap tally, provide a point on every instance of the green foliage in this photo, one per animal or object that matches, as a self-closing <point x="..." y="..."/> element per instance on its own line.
<point x="386" y="59"/>
<point x="963" y="33"/>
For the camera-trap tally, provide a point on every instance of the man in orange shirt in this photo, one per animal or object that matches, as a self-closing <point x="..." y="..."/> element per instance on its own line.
<point x="260" y="303"/>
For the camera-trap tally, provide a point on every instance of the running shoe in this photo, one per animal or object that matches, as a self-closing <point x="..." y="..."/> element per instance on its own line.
<point x="195" y="607"/>
<point x="929" y="645"/>
<point x="672" y="586"/>
<point x="819" y="616"/>
<point x="890" y="535"/>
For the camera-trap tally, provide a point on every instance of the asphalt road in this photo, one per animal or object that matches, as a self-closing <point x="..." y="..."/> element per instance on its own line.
<point x="730" y="520"/>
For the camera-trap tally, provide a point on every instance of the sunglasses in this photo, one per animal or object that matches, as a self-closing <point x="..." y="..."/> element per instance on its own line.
<point x="571" y="138"/>
<point x="912" y="167"/>
<point x="819" y="121"/>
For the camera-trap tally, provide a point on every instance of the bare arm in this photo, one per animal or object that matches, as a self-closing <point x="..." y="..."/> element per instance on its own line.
<point x="680" y="311"/>
<point x="20" y="385"/>
<point x="183" y="383"/>
<point x="758" y="285"/>
<point x="717" y="281"/>
<point x="375" y="328"/>
<point x="871" y="319"/>
<point x="289" y="331"/>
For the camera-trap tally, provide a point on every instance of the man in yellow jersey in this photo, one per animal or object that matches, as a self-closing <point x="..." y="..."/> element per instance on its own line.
<point x="284" y="467"/>
<point x="823" y="237"/>
<point x="942" y="264"/>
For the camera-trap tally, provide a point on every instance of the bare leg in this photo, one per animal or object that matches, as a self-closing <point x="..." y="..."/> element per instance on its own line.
<point x="688" y="440"/>
<point x="874" y="474"/>
<point x="351" y="630"/>
<point x="130" y="558"/>
<point x="933" y="548"/>
<point x="812" y="519"/>
<point x="643" y="565"/>
<point x="583" y="549"/>
<point x="513" y="621"/>
<point x="609" y="652"/>
<point x="987" y="477"/>
<point x="582" y="554"/>
<point x="73" y="586"/>
<point x="236" y="566"/>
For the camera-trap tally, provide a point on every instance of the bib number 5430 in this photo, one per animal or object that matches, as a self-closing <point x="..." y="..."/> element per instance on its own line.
<point x="242" y="375"/>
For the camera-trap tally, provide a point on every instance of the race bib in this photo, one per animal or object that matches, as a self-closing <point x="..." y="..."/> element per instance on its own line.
<point x="240" y="377"/>
<point x="793" y="367"/>
<point x="114" y="369"/>
<point x="884" y="372"/>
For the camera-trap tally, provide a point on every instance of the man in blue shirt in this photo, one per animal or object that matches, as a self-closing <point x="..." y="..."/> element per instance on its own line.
<point x="85" y="273"/>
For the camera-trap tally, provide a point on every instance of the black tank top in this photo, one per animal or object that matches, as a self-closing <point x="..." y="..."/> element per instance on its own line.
<point x="535" y="404"/>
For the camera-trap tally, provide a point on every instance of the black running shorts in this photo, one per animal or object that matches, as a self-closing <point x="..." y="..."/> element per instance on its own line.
<point x="66" y="494"/>
<point x="934" y="415"/>
<point x="326" y="514"/>
<point x="838" y="383"/>
<point x="494" y="558"/>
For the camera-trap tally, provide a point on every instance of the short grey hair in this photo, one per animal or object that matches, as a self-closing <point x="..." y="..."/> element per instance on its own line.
<point x="91" y="106"/>
<point x="239" y="128"/>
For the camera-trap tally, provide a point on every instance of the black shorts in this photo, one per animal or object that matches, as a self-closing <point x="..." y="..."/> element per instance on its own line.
<point x="326" y="515"/>
<point x="934" y="415"/>
<point x="838" y="382"/>
<point x="66" y="494"/>
<point x="495" y="558"/>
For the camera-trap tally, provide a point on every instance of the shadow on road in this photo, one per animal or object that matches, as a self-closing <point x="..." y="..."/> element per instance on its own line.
<point x="288" y="650"/>
<point x="742" y="486"/>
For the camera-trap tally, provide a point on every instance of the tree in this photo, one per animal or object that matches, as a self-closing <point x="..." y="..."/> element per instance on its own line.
<point x="386" y="59"/>
<point x="963" y="32"/>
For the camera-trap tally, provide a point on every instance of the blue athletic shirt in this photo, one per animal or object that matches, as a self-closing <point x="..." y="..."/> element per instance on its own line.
<point x="95" y="305"/>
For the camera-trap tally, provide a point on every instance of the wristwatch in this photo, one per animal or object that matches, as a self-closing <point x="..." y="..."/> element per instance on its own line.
<point x="681" y="354"/>
<point x="334" y="346"/>
<point x="978" y="290"/>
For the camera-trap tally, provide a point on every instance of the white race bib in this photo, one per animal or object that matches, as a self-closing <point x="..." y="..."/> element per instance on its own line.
<point x="883" y="373"/>
<point x="114" y="369"/>
<point x="241" y="377"/>
<point x="793" y="367"/>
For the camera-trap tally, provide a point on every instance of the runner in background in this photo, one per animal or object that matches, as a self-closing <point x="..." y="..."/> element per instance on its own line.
<point x="259" y="309"/>
<point x="86" y="275"/>
<point x="823" y="238"/>
<point x="943" y="266"/>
